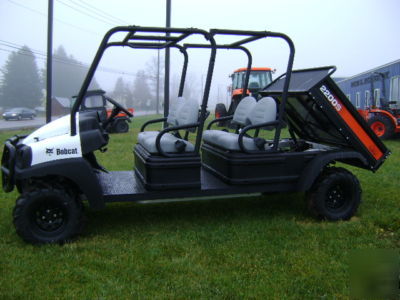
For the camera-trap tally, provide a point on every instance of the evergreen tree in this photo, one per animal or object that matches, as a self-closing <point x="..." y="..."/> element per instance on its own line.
<point x="21" y="84"/>
<point x="118" y="93"/>
<point x="122" y="93"/>
<point x="141" y="91"/>
<point x="68" y="74"/>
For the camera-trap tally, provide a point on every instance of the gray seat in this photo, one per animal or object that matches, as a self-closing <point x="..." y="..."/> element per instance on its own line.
<point x="182" y="112"/>
<point x="169" y="143"/>
<point x="263" y="111"/>
<point x="171" y="120"/>
<point x="240" y="118"/>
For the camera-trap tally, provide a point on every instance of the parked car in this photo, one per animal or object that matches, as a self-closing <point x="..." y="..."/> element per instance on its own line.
<point x="19" y="113"/>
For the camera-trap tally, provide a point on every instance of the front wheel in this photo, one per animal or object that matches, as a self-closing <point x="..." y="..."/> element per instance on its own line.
<point x="120" y="126"/>
<point x="335" y="195"/>
<point x="48" y="215"/>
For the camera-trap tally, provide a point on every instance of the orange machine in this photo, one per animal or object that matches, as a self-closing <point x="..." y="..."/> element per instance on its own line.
<point x="258" y="79"/>
<point x="385" y="122"/>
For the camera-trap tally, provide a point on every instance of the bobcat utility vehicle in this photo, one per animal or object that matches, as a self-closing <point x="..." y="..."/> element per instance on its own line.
<point x="55" y="167"/>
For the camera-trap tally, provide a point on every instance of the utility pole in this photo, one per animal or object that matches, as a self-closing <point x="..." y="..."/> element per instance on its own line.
<point x="49" y="70"/>
<point x="158" y="83"/>
<point x="166" y="77"/>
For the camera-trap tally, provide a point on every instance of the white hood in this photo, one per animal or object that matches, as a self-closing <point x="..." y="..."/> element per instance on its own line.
<point x="59" y="127"/>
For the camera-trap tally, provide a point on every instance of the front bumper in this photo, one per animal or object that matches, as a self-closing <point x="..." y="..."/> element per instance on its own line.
<point x="8" y="161"/>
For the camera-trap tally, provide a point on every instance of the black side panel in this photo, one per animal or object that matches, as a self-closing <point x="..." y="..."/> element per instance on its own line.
<point x="92" y="140"/>
<point x="93" y="137"/>
<point x="165" y="173"/>
<point x="78" y="170"/>
<point x="263" y="168"/>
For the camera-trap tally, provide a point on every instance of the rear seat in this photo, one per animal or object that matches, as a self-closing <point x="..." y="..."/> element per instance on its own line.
<point x="182" y="112"/>
<point x="240" y="118"/>
<point x="248" y="112"/>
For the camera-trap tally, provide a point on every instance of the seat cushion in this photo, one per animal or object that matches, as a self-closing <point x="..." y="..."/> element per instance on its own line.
<point x="210" y="135"/>
<point x="228" y="140"/>
<point x="146" y="134"/>
<point x="169" y="143"/>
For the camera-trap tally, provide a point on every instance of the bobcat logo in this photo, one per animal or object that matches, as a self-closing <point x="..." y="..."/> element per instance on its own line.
<point x="49" y="151"/>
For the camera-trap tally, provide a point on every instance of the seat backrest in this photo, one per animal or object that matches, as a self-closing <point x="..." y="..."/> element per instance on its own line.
<point x="263" y="111"/>
<point x="174" y="107"/>
<point x="188" y="113"/>
<point x="241" y="115"/>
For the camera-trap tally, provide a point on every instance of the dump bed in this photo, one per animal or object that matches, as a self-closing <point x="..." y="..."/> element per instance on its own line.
<point x="318" y="111"/>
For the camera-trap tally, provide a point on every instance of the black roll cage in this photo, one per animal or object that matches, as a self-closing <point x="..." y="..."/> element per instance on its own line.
<point x="238" y="45"/>
<point x="158" y="42"/>
<point x="149" y="41"/>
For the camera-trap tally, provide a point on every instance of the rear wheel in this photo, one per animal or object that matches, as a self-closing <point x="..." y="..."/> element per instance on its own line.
<point x="382" y="126"/>
<point x="335" y="195"/>
<point x="48" y="215"/>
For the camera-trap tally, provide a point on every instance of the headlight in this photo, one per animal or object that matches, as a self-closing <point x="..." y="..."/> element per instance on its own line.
<point x="14" y="115"/>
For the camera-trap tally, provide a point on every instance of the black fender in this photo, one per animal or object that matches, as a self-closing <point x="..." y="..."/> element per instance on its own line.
<point x="77" y="170"/>
<point x="318" y="164"/>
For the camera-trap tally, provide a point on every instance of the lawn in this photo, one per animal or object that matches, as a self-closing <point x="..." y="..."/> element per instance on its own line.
<point x="259" y="247"/>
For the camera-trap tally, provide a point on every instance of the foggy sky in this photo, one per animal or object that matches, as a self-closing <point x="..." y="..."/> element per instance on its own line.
<point x="354" y="35"/>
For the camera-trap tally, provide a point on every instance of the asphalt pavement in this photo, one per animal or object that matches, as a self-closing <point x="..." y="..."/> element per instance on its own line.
<point x="15" y="125"/>
<point x="39" y="121"/>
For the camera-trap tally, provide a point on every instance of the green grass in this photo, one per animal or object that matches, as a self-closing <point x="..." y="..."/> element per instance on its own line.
<point x="260" y="247"/>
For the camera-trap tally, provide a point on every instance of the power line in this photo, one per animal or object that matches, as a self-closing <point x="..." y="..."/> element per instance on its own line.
<point x="56" y="19"/>
<point x="61" y="60"/>
<point x="86" y="13"/>
<point x="100" y="12"/>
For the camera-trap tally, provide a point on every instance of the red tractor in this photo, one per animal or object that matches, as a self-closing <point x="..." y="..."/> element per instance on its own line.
<point x="384" y="119"/>
<point x="258" y="79"/>
<point x="384" y="122"/>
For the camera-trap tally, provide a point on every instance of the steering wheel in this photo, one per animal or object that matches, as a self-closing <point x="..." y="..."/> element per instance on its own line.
<point x="119" y="107"/>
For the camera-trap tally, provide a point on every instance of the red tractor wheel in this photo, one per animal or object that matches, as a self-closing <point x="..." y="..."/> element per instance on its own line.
<point x="382" y="126"/>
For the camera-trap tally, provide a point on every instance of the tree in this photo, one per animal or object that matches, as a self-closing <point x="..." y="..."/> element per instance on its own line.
<point x="21" y="84"/>
<point x="190" y="90"/>
<point x="68" y="74"/>
<point x="119" y="93"/>
<point x="155" y="72"/>
<point x="123" y="93"/>
<point x="141" y="91"/>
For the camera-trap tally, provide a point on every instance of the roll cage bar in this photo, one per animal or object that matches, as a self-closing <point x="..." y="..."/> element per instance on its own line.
<point x="148" y="38"/>
<point x="148" y="41"/>
<point x="238" y="45"/>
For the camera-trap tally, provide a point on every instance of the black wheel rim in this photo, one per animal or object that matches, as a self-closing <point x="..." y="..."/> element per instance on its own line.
<point x="49" y="217"/>
<point x="336" y="198"/>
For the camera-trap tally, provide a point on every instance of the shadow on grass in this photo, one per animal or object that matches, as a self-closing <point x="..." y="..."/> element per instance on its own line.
<point x="131" y="216"/>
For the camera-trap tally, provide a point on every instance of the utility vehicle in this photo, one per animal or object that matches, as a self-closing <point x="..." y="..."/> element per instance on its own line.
<point x="55" y="167"/>
<point x="96" y="100"/>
